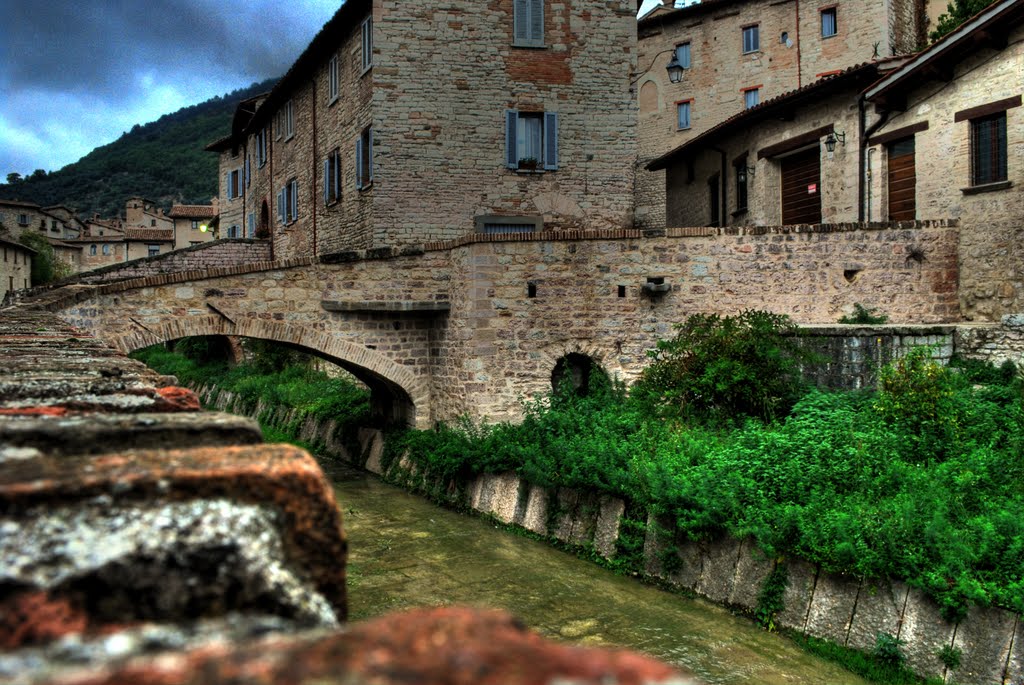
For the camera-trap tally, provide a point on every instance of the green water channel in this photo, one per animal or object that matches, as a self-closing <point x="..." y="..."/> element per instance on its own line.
<point x="406" y="552"/>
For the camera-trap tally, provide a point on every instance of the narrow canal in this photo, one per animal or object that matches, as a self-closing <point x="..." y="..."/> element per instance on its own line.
<point x="406" y="552"/>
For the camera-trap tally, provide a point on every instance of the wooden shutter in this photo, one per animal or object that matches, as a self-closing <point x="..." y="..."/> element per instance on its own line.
<point x="294" y="187"/>
<point x="369" y="155"/>
<point x="801" y="188"/>
<point x="227" y="185"/>
<point x="536" y="21"/>
<point x="359" y="162"/>
<point x="280" y="206"/>
<point x="521" y="21"/>
<point x="327" y="180"/>
<point x="511" y="125"/>
<point x="550" y="140"/>
<point x="902" y="181"/>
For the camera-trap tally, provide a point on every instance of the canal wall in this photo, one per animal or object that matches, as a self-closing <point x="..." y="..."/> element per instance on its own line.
<point x="848" y="611"/>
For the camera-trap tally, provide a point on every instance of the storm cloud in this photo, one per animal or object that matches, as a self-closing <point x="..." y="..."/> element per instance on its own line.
<point x="75" y="74"/>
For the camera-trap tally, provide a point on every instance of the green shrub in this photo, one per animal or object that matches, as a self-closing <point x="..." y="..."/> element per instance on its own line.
<point x="720" y="369"/>
<point x="950" y="657"/>
<point x="887" y="649"/>
<point x="865" y="316"/>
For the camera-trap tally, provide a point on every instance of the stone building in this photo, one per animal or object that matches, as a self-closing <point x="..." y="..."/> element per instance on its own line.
<point x="142" y="213"/>
<point x="17" y="217"/>
<point x="377" y="137"/>
<point x="147" y="242"/>
<point x="73" y="226"/>
<point x="192" y="224"/>
<point x="735" y="54"/>
<point x="16" y="267"/>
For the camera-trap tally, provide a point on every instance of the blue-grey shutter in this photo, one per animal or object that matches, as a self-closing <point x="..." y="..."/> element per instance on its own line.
<point x="550" y="140"/>
<point x="336" y="162"/>
<point x="295" y="199"/>
<point x="246" y="170"/>
<point x="327" y="180"/>
<point x="369" y="155"/>
<point x="521" y="21"/>
<point x="227" y="184"/>
<point x="511" y="125"/>
<point x="537" y="21"/>
<point x="280" y="206"/>
<point x="359" y="162"/>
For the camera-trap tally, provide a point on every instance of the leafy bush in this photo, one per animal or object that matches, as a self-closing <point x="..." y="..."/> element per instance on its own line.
<point x="719" y="369"/>
<point x="45" y="265"/>
<point x="887" y="649"/>
<point x="950" y="657"/>
<point x="865" y="316"/>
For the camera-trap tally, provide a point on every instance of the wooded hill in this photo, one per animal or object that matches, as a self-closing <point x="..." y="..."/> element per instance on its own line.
<point x="163" y="161"/>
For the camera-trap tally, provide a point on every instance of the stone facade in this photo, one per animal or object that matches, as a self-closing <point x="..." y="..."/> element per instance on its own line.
<point x="16" y="267"/>
<point x="436" y="128"/>
<point x="148" y="242"/>
<point x="142" y="213"/>
<point x="792" y="52"/>
<point x="938" y="116"/>
<point x="193" y="224"/>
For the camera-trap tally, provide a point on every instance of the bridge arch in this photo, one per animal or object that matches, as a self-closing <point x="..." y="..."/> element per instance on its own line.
<point x="409" y="394"/>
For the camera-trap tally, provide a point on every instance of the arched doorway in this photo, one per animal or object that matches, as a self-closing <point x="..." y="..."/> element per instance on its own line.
<point x="263" y="230"/>
<point x="576" y="372"/>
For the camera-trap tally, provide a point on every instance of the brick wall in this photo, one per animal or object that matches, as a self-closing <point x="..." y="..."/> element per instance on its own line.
<point x="212" y="255"/>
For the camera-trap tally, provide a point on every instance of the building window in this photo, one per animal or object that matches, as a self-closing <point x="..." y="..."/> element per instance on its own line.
<point x="364" y="159"/>
<point x="193" y="243"/>
<point x="261" y="147"/>
<point x="751" y="39"/>
<point x="195" y="224"/>
<point x="751" y="97"/>
<point x="988" y="149"/>
<point x="332" y="177"/>
<point x="683" y="55"/>
<point x="528" y="30"/>
<point x="92" y="250"/>
<point x="152" y="250"/>
<point x="492" y="224"/>
<point x="234" y="231"/>
<point x="23" y="219"/>
<point x="284" y="122"/>
<point x="742" y="175"/>
<point x="234" y="183"/>
<point x="332" y="80"/>
<point x="287" y="203"/>
<point x="106" y="249"/>
<point x="367" y="43"/>
<point x="531" y="140"/>
<point x="683" y="114"/>
<point x="251" y="225"/>
<point x="829" y="26"/>
<point x="152" y="222"/>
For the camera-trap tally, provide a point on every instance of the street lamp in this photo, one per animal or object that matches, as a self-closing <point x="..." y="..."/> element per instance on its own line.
<point x="675" y="69"/>
<point x="832" y="138"/>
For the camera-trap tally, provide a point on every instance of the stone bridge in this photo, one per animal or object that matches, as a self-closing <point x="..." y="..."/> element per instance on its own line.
<point x="476" y="325"/>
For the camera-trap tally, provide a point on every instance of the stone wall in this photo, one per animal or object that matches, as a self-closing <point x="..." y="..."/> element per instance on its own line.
<point x="848" y="611"/>
<point x="16" y="267"/>
<point x="993" y="343"/>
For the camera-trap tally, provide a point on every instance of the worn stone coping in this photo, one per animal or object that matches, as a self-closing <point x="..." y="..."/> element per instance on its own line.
<point x="849" y="330"/>
<point x="280" y="476"/>
<point x="425" y="306"/>
<point x="56" y="432"/>
<point x="438" y="646"/>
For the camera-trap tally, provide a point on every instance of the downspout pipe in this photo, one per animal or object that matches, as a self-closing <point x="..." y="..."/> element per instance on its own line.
<point x="863" y="133"/>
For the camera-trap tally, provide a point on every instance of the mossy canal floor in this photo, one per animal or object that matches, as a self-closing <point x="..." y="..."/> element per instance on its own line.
<point x="405" y="552"/>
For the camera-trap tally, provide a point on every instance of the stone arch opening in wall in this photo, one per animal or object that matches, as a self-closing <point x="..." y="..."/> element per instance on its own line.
<point x="578" y="372"/>
<point x="650" y="97"/>
<point x="398" y="396"/>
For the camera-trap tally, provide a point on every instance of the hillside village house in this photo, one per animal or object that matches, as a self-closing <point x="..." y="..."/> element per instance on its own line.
<point x="933" y="137"/>
<point x="730" y="55"/>
<point x="16" y="267"/>
<point x="377" y="137"/>
<point x="51" y="222"/>
<point x="192" y="224"/>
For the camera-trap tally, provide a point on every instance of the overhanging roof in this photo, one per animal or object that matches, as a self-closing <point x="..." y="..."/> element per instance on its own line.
<point x="989" y="28"/>
<point x="780" y="107"/>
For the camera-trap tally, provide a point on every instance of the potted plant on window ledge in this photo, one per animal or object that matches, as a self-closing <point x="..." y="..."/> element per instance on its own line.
<point x="528" y="164"/>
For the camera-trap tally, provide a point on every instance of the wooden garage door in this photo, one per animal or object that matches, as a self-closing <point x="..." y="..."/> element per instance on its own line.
<point x="902" y="181"/>
<point x="801" y="188"/>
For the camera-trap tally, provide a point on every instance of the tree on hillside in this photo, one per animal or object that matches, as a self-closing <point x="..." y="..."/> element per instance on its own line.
<point x="957" y="12"/>
<point x="13" y="177"/>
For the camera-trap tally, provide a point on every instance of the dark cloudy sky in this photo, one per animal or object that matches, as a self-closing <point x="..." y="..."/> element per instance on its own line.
<point x="75" y="74"/>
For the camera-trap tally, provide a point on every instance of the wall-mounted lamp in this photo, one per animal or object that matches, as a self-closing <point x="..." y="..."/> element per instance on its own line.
<point x="832" y="138"/>
<point x="204" y="228"/>
<point x="743" y="173"/>
<point x="675" y="69"/>
<point x="656" y="285"/>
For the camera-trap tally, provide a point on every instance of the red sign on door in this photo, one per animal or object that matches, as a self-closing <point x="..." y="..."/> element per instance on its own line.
<point x="812" y="189"/>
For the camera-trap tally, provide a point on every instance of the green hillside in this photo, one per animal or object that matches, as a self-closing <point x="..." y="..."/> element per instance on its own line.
<point x="163" y="161"/>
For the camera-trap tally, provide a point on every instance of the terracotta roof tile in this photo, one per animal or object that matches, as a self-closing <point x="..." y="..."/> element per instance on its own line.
<point x="149" y="234"/>
<point x="192" y="212"/>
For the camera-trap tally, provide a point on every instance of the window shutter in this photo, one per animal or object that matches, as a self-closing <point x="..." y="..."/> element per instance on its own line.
<point x="537" y="21"/>
<point x="521" y="22"/>
<point x="550" y="140"/>
<point x="359" y="162"/>
<point x="280" y="206"/>
<point x="327" y="181"/>
<point x="295" y="199"/>
<point x="511" y="124"/>
<point x="336" y="178"/>
<point x="227" y="185"/>
<point x="369" y="155"/>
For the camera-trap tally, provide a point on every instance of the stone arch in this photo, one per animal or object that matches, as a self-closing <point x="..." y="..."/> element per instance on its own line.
<point x="650" y="96"/>
<point x="379" y="372"/>
<point x="606" y="360"/>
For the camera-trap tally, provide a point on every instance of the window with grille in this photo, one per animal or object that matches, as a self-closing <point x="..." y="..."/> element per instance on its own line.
<point x="988" y="149"/>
